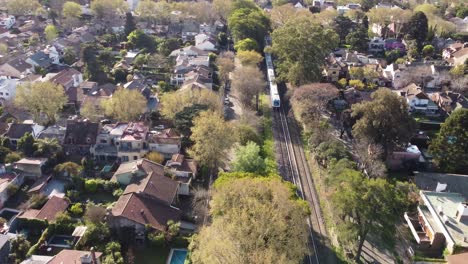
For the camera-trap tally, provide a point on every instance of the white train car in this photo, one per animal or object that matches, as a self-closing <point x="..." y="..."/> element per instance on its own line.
<point x="274" y="95"/>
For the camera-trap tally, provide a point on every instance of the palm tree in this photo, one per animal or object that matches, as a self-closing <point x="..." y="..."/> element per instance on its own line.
<point x="47" y="146"/>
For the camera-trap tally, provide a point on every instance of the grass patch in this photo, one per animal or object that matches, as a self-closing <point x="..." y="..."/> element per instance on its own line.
<point x="105" y="198"/>
<point x="268" y="146"/>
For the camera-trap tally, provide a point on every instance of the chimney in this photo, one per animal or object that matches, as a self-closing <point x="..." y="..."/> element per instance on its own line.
<point x="86" y="259"/>
<point x="93" y="256"/>
<point x="462" y="212"/>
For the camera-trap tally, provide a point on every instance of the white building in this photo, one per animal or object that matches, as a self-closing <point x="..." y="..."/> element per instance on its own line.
<point x="7" y="88"/>
<point x="7" y="22"/>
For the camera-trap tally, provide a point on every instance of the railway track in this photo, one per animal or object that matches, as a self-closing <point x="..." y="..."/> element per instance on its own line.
<point x="294" y="168"/>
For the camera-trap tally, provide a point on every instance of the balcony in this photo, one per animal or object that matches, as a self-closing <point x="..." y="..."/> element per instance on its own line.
<point x="417" y="229"/>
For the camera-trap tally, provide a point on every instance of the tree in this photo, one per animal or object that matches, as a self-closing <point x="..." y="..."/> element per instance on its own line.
<point x="94" y="213"/>
<point x="4" y="152"/>
<point x="12" y="157"/>
<point x="155" y="157"/>
<point x="358" y="39"/>
<point x="246" y="133"/>
<point x="449" y="147"/>
<point x="140" y="40"/>
<point x="246" y="44"/>
<point x="358" y="84"/>
<point x="462" y="12"/>
<point x="249" y="57"/>
<point x="77" y="209"/>
<point x="174" y="102"/>
<point x="69" y="56"/>
<point x="166" y="46"/>
<point x="50" y="32"/>
<point x="113" y="253"/>
<point x="225" y="64"/>
<point x="41" y="98"/>
<point x="26" y="144"/>
<point x="393" y="55"/>
<point x="125" y="105"/>
<point x="22" y="7"/>
<point x="458" y="71"/>
<point x="91" y="111"/>
<point x="310" y="101"/>
<point x="247" y="159"/>
<point x="254" y="220"/>
<point x="108" y="9"/>
<point x="183" y="120"/>
<point x="3" y="49"/>
<point x="19" y="247"/>
<point x="248" y="82"/>
<point x="212" y="137"/>
<point x="343" y="26"/>
<point x="69" y="169"/>
<point x="157" y="12"/>
<point x="130" y="25"/>
<point x="301" y="45"/>
<point x="71" y="13"/>
<point x="331" y="151"/>
<point x="370" y="158"/>
<point x="47" y="147"/>
<point x="417" y="28"/>
<point x="428" y="51"/>
<point x="249" y="23"/>
<point x="385" y="120"/>
<point x="363" y="206"/>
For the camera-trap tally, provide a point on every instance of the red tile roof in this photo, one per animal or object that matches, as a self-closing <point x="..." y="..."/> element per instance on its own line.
<point x="54" y="206"/>
<point x="145" y="210"/>
<point x="71" y="256"/>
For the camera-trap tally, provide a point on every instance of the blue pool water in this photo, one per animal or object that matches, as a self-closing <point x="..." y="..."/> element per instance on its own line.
<point x="178" y="256"/>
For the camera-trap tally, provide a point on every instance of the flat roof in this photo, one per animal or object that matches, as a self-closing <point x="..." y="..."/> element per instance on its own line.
<point x="449" y="203"/>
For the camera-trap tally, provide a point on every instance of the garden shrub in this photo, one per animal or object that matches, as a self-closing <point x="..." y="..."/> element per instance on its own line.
<point x="91" y="185"/>
<point x="77" y="209"/>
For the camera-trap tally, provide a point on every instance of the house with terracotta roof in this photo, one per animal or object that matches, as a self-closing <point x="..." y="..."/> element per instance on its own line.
<point x="66" y="256"/>
<point x="17" y="68"/>
<point x="150" y="197"/>
<point x="418" y="101"/>
<point x="167" y="142"/>
<point x="49" y="211"/>
<point x="449" y="101"/>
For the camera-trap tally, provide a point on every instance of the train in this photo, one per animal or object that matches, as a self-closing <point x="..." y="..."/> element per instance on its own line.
<point x="274" y="95"/>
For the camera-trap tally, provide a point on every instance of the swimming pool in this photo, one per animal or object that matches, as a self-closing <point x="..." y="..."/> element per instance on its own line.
<point x="177" y="256"/>
<point x="61" y="241"/>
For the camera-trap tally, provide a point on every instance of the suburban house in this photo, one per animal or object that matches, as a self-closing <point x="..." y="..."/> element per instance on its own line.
<point x="68" y="78"/>
<point x="80" y="136"/>
<point x="31" y="167"/>
<point x="94" y="94"/>
<point x="7" y="88"/>
<point x="107" y="141"/>
<point x="149" y="199"/>
<point x="418" y="101"/>
<point x="184" y="169"/>
<point x="4" y="248"/>
<point x="7" y="21"/>
<point x="39" y="59"/>
<point x="53" y="132"/>
<point x="205" y="41"/>
<point x="189" y="30"/>
<point x="49" y="211"/>
<point x="441" y="221"/>
<point x="17" y="68"/>
<point x="449" y="101"/>
<point x="376" y="45"/>
<point x="76" y="256"/>
<point x="456" y="53"/>
<point x="167" y="142"/>
<point x="190" y="51"/>
<point x="6" y="181"/>
<point x="16" y="131"/>
<point x="132" y="144"/>
<point x="139" y="85"/>
<point x="334" y="69"/>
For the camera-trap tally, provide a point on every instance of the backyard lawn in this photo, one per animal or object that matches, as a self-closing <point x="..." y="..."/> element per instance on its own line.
<point x="98" y="197"/>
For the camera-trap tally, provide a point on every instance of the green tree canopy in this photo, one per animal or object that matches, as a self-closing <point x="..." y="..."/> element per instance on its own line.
<point x="449" y="148"/>
<point x="301" y="46"/>
<point x="125" y="105"/>
<point x="26" y="144"/>
<point x="343" y="26"/>
<point x="129" y="23"/>
<point x="140" y="40"/>
<point x="358" y="39"/>
<point x="255" y="220"/>
<point x="45" y="98"/>
<point x="50" y="32"/>
<point x="417" y="28"/>
<point x="248" y="159"/>
<point x="385" y="120"/>
<point x="22" y="7"/>
<point x="249" y="23"/>
<point x="246" y="45"/>
<point x="213" y="137"/>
